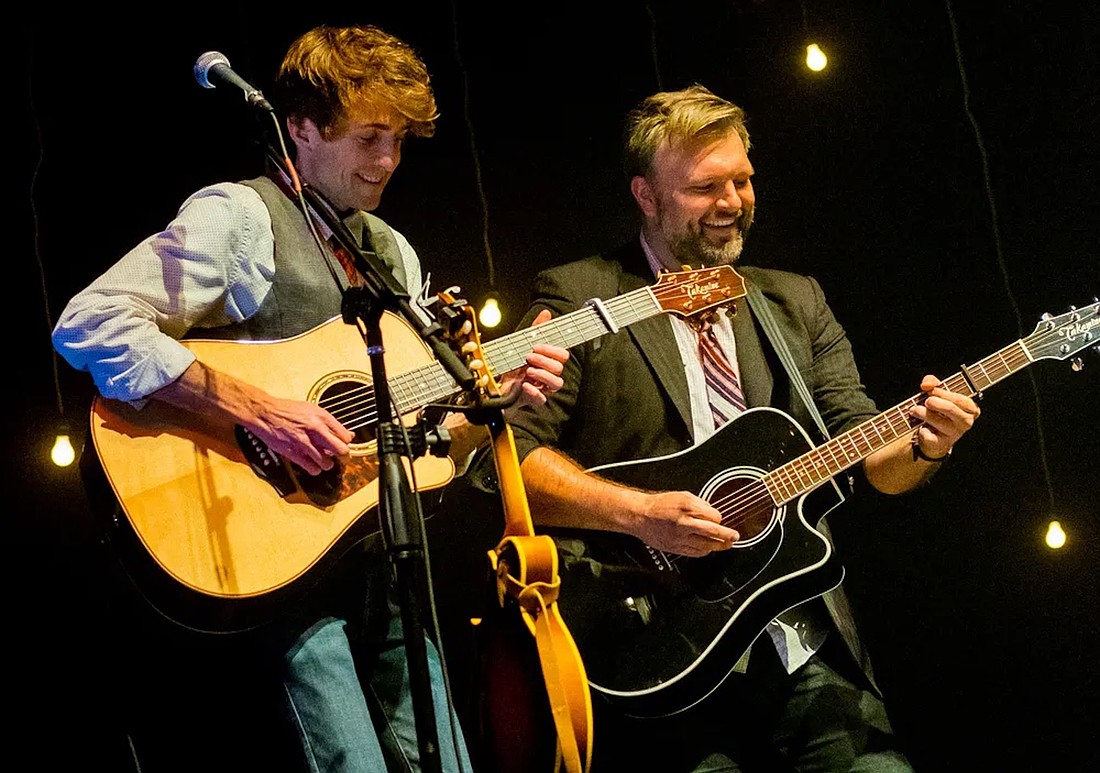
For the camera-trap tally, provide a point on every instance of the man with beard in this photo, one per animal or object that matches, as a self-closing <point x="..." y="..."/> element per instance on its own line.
<point x="802" y="696"/>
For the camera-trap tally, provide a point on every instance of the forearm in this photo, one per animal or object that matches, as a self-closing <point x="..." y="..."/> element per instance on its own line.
<point x="466" y="438"/>
<point x="299" y="431"/>
<point x="908" y="462"/>
<point x="215" y="395"/>
<point x="562" y="494"/>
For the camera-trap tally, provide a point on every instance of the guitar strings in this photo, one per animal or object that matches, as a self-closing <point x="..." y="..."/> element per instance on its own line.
<point x="356" y="407"/>
<point x="756" y="497"/>
<point x="354" y="410"/>
<point x="354" y="402"/>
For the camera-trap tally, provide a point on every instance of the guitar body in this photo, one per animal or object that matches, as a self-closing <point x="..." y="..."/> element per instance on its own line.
<point x="228" y="541"/>
<point x="659" y="632"/>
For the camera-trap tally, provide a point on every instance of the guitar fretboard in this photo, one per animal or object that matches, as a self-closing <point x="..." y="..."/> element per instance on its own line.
<point x="431" y="383"/>
<point x="815" y="467"/>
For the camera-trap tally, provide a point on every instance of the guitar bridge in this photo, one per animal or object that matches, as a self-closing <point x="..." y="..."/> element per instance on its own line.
<point x="324" y="489"/>
<point x="264" y="462"/>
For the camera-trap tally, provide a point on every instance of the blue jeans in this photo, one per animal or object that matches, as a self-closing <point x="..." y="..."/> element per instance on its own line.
<point x="350" y="699"/>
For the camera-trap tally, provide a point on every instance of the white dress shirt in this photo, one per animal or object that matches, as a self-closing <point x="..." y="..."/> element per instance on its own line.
<point x="212" y="266"/>
<point x="796" y="636"/>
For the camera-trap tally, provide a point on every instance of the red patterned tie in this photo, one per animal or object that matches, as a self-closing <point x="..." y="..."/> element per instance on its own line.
<point x="726" y="398"/>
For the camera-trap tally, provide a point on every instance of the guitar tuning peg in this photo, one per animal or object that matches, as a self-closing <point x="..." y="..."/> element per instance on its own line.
<point x="1045" y="316"/>
<point x="1077" y="364"/>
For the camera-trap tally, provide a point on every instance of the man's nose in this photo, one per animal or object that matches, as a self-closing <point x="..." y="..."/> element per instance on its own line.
<point x="730" y="198"/>
<point x="389" y="155"/>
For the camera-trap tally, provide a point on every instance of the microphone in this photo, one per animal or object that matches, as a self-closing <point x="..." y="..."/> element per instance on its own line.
<point x="213" y="66"/>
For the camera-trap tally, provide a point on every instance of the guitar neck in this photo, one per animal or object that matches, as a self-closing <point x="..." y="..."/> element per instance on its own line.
<point x="432" y="383"/>
<point x="815" y="467"/>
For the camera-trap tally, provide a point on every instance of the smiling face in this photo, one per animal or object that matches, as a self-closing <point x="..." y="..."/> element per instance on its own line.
<point x="352" y="164"/>
<point x="698" y="202"/>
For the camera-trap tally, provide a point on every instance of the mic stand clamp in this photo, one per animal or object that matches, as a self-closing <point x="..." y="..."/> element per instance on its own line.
<point x="485" y="409"/>
<point x="415" y="440"/>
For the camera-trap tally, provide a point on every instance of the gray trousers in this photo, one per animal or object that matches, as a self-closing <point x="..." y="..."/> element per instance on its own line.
<point x="817" y="719"/>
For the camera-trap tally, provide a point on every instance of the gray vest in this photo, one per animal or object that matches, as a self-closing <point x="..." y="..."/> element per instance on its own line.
<point x="303" y="293"/>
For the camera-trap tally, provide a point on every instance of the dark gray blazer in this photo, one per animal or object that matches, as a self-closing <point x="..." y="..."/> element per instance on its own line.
<point x="626" y="396"/>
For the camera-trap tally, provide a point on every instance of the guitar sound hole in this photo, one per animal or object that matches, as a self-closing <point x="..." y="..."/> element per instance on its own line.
<point x="353" y="405"/>
<point x="745" y="506"/>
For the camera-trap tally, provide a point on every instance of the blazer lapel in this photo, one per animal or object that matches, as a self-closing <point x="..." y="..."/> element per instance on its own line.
<point x="656" y="340"/>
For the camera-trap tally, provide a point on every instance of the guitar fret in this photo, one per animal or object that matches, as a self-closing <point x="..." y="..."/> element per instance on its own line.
<point x="984" y="373"/>
<point x="832" y="449"/>
<point x="422" y="386"/>
<point x="806" y="470"/>
<point x="874" y="426"/>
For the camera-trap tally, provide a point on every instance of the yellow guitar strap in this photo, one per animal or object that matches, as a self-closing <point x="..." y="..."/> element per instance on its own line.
<point x="537" y="601"/>
<point x="526" y="569"/>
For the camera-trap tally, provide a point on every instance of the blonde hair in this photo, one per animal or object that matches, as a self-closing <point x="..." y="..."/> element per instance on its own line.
<point x="329" y="71"/>
<point x="689" y="116"/>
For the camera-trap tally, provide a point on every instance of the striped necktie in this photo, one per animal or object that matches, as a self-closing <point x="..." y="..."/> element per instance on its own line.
<point x="726" y="398"/>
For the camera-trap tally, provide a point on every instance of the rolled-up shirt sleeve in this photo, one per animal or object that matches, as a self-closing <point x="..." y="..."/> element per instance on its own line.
<point x="211" y="266"/>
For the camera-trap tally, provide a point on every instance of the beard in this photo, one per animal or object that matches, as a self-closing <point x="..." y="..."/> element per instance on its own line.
<point x="692" y="248"/>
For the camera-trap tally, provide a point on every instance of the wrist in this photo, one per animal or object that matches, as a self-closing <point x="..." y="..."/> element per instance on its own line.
<point x="918" y="453"/>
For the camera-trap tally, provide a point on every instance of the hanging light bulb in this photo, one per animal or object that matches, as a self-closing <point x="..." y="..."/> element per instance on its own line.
<point x="1056" y="536"/>
<point x="815" y="57"/>
<point x="62" y="453"/>
<point x="490" y="314"/>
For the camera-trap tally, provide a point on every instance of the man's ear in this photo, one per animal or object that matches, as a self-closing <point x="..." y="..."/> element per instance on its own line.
<point x="302" y="130"/>
<point x="643" y="194"/>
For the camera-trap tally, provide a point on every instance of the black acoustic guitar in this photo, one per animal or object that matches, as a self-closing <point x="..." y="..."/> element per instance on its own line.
<point x="658" y="632"/>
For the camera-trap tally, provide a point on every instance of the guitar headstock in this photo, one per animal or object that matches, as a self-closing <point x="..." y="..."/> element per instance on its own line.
<point x="1061" y="337"/>
<point x="459" y="322"/>
<point x="693" y="291"/>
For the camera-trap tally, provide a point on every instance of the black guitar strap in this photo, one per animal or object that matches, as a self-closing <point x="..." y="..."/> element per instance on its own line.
<point x="771" y="328"/>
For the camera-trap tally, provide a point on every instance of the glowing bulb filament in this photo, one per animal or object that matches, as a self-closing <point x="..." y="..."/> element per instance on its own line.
<point x="490" y="316"/>
<point x="815" y="57"/>
<point x="62" y="452"/>
<point x="1056" y="537"/>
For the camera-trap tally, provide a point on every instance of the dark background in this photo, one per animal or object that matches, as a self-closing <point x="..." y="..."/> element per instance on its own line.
<point x="940" y="179"/>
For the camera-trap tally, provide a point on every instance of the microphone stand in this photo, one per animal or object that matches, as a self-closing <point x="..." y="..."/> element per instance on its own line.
<point x="363" y="307"/>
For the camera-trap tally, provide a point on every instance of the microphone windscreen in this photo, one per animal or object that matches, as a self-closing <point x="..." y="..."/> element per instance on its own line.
<point x="204" y="64"/>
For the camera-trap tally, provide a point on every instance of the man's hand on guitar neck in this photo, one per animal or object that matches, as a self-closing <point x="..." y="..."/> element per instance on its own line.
<point x="946" y="416"/>
<point x="541" y="375"/>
